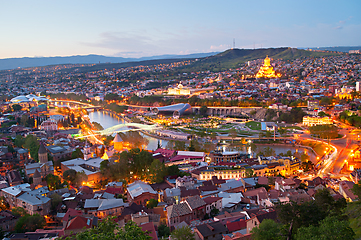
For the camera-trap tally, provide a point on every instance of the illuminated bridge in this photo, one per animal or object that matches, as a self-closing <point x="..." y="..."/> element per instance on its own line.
<point x="130" y="126"/>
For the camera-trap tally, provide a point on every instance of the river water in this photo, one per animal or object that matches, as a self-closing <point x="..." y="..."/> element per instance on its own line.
<point x="107" y="121"/>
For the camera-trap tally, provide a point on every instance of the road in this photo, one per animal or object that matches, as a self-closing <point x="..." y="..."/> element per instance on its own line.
<point x="342" y="149"/>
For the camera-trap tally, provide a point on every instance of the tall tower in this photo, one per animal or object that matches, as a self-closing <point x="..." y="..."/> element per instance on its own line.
<point x="118" y="143"/>
<point x="43" y="154"/>
<point x="357" y="86"/>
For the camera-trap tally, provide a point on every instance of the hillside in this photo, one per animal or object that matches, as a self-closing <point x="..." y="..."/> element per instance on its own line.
<point x="234" y="58"/>
<point x="338" y="49"/>
<point x="12" y="63"/>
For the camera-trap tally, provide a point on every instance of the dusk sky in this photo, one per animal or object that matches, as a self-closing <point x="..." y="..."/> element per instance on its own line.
<point x="148" y="28"/>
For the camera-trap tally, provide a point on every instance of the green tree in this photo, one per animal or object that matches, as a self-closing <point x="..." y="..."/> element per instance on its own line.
<point x="152" y="203"/>
<point x="16" y="107"/>
<point x="331" y="228"/>
<point x="269" y="152"/>
<point x="249" y="172"/>
<point x="203" y="110"/>
<point x="183" y="233"/>
<point x="19" y="211"/>
<point x="326" y="131"/>
<point x="70" y="176"/>
<point x="55" y="200"/>
<point x="214" y="212"/>
<point x="77" y="153"/>
<point x="356" y="189"/>
<point x="232" y="133"/>
<point x="19" y="141"/>
<point x="30" y="223"/>
<point x="157" y="171"/>
<point x="53" y="182"/>
<point x="138" y="161"/>
<point x="80" y="178"/>
<point x="268" y="230"/>
<point x="32" y="144"/>
<point x="179" y="146"/>
<point x="163" y="231"/>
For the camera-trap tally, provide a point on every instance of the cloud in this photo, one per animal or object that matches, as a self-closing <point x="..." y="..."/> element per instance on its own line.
<point x="219" y="47"/>
<point x="124" y="44"/>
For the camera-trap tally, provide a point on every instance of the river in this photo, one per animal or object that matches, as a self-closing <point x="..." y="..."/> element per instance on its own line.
<point x="108" y="121"/>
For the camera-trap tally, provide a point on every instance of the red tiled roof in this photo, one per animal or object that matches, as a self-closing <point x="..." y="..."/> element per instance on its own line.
<point x="165" y="152"/>
<point x="210" y="200"/>
<point x="181" y="157"/>
<point x="79" y="223"/>
<point x="237" y="225"/>
<point x="71" y="213"/>
<point x="149" y="227"/>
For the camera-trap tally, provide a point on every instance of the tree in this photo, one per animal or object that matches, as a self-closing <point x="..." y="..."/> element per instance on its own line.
<point x="70" y="175"/>
<point x="109" y="230"/>
<point x="179" y="146"/>
<point x="330" y="228"/>
<point x="163" y="231"/>
<point x="203" y="111"/>
<point x="157" y="171"/>
<point x="232" y="133"/>
<point x="55" y="200"/>
<point x="77" y="153"/>
<point x="183" y="233"/>
<point x="30" y="223"/>
<point x="33" y="145"/>
<point x="19" y="141"/>
<point x="80" y="178"/>
<point x="249" y="172"/>
<point x="19" y="211"/>
<point x="16" y="107"/>
<point x="152" y="203"/>
<point x="356" y="189"/>
<point x="138" y="161"/>
<point x="269" y="152"/>
<point x="214" y="212"/>
<point x="325" y="131"/>
<point x="53" y="182"/>
<point x="268" y="230"/>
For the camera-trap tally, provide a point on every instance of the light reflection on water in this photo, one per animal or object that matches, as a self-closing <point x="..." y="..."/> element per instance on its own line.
<point x="108" y="121"/>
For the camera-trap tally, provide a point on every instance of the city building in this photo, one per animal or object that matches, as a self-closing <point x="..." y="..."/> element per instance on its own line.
<point x="266" y="70"/>
<point x="49" y="125"/>
<point x="90" y="167"/>
<point x="313" y="121"/>
<point x="43" y="167"/>
<point x="221" y="173"/>
<point x="102" y="208"/>
<point x="140" y="193"/>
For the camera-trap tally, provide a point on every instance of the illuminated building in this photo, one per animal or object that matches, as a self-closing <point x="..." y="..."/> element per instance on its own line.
<point x="266" y="71"/>
<point x="43" y="167"/>
<point x="49" y="125"/>
<point x="184" y="91"/>
<point x="176" y="110"/>
<point x="313" y="121"/>
<point x="179" y="90"/>
<point x="118" y="143"/>
<point x="222" y="173"/>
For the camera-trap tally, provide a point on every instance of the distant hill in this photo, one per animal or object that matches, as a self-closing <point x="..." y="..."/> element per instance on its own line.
<point x="337" y="49"/>
<point x="12" y="63"/>
<point x="234" y="58"/>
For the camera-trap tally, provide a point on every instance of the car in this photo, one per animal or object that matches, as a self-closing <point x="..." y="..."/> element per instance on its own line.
<point x="248" y="206"/>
